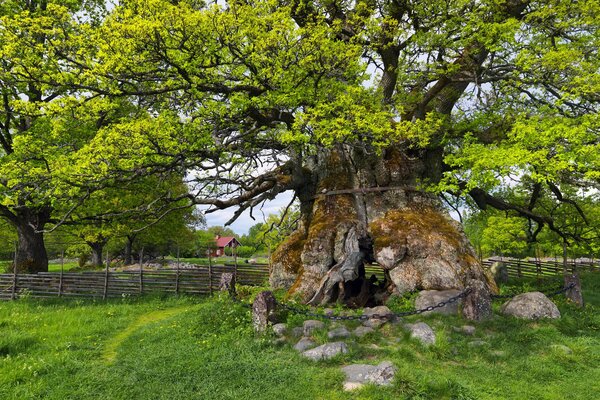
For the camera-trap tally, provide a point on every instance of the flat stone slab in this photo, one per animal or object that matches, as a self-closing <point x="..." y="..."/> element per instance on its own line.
<point x="422" y="332"/>
<point x="429" y="298"/>
<point x="326" y="351"/>
<point x="338" y="333"/>
<point x="304" y="344"/>
<point x="312" y="325"/>
<point x="363" y="330"/>
<point x="359" y="374"/>
<point x="531" y="305"/>
<point x="374" y="313"/>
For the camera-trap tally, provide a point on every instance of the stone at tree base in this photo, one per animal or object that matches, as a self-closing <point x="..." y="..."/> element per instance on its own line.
<point x="304" y="344"/>
<point x="326" y="351"/>
<point x="227" y="283"/>
<point x="280" y="329"/>
<point x="359" y="374"/>
<point x="478" y="343"/>
<point x="468" y="330"/>
<point x="312" y="325"/>
<point x="297" y="331"/>
<point x="379" y="311"/>
<point x="427" y="298"/>
<point x="422" y="332"/>
<point x="363" y="330"/>
<point x="499" y="271"/>
<point x="263" y="311"/>
<point x="477" y="305"/>
<point x="532" y="305"/>
<point x="338" y="333"/>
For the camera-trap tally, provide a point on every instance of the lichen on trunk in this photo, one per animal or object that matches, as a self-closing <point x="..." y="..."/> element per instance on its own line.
<point x="364" y="209"/>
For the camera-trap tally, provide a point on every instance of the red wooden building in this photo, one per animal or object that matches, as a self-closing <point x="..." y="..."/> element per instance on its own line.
<point x="222" y="243"/>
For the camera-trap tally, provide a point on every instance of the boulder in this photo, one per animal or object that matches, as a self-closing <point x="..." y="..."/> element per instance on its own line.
<point x="304" y="344"/>
<point x="263" y="311"/>
<point x="312" y="325"/>
<point x="377" y="316"/>
<point x="363" y="330"/>
<point x="297" y="331"/>
<point x="427" y="298"/>
<point x="280" y="329"/>
<point x="499" y="272"/>
<point x="422" y="332"/>
<point x="338" y="333"/>
<point x="326" y="351"/>
<point x="477" y="305"/>
<point x="359" y="374"/>
<point x="532" y="305"/>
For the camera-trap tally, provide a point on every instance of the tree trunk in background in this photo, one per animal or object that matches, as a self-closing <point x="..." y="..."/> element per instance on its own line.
<point x="405" y="230"/>
<point x="97" y="248"/>
<point x="128" y="258"/>
<point x="31" y="254"/>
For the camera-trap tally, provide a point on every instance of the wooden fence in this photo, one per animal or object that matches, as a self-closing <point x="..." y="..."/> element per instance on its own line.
<point x="105" y="284"/>
<point x="537" y="268"/>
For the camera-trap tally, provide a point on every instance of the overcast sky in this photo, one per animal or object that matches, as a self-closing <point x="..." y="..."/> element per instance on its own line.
<point x="244" y="222"/>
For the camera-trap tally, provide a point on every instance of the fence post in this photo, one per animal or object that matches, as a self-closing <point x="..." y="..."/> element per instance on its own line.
<point x="142" y="271"/>
<point x="177" y="273"/>
<point x="13" y="294"/>
<point x="105" y="293"/>
<point x="62" y="271"/>
<point x="519" y="273"/>
<point x="235" y="261"/>
<point x="210" y="289"/>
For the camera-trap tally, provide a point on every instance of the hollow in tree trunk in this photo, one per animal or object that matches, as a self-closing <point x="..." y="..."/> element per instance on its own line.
<point x="358" y="209"/>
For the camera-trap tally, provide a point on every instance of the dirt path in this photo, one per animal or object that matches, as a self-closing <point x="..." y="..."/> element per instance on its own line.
<point x="110" y="352"/>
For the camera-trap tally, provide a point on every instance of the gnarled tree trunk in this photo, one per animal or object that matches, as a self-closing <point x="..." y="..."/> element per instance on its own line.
<point x="97" y="248"/>
<point x="31" y="254"/>
<point x="360" y="208"/>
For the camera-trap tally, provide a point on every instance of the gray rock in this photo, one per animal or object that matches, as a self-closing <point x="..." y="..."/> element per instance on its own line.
<point x="468" y="330"/>
<point x="326" y="351"/>
<point x="532" y="305"/>
<point x="263" y="311"/>
<point x="427" y="298"/>
<point x="477" y="305"/>
<point x="363" y="330"/>
<point x="380" y="311"/>
<point x="297" y="331"/>
<point x="499" y="272"/>
<point x="422" y="332"/>
<point x="359" y="374"/>
<point x="561" y="348"/>
<point x="312" y="325"/>
<point x="280" y="329"/>
<point x="304" y="344"/>
<point x="338" y="333"/>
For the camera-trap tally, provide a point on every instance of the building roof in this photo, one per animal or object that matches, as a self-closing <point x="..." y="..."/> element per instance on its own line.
<point x="225" y="240"/>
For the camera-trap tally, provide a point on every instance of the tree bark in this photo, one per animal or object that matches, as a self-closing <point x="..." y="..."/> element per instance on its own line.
<point x="97" y="248"/>
<point x="129" y="250"/>
<point x="31" y="254"/>
<point x="366" y="208"/>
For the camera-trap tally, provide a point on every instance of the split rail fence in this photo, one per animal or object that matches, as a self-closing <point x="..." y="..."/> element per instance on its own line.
<point x="106" y="284"/>
<point x="537" y="268"/>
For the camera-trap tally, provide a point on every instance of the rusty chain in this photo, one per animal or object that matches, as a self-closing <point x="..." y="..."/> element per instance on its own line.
<point x="548" y="292"/>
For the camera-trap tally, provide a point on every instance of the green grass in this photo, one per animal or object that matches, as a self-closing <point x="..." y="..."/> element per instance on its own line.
<point x="200" y="348"/>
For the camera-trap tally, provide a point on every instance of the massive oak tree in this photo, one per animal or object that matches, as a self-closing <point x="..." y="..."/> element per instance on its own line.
<point x="367" y="111"/>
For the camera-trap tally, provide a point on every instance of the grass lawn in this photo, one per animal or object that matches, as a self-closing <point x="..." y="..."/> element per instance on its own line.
<point x="204" y="348"/>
